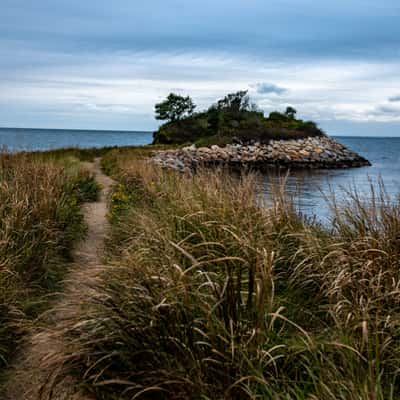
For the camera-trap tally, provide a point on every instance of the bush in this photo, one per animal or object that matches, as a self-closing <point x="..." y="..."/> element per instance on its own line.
<point x="85" y="187"/>
<point x="183" y="131"/>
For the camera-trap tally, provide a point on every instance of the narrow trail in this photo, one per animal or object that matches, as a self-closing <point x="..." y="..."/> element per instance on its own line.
<point x="32" y="373"/>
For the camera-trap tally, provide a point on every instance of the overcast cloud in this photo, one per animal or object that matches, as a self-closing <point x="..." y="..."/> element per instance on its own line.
<point x="101" y="64"/>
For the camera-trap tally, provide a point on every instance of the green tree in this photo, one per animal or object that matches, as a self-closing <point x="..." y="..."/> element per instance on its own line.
<point x="174" y="108"/>
<point x="235" y="102"/>
<point x="290" y="112"/>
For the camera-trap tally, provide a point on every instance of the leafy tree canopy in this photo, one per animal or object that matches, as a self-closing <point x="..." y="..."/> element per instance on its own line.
<point x="234" y="102"/>
<point x="290" y="112"/>
<point x="174" y="108"/>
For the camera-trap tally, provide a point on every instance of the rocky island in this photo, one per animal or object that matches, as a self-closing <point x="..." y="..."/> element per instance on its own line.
<point x="235" y="134"/>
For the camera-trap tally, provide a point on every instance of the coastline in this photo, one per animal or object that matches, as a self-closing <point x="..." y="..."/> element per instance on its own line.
<point x="320" y="152"/>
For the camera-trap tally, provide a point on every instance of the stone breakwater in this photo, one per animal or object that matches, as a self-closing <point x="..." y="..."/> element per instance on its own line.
<point x="312" y="152"/>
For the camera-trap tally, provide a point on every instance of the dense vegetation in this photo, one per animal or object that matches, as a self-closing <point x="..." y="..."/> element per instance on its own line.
<point x="233" y="118"/>
<point x="40" y="220"/>
<point x="208" y="295"/>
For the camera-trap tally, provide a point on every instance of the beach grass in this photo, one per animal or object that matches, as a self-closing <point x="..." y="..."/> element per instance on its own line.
<point x="209" y="294"/>
<point x="40" y="220"/>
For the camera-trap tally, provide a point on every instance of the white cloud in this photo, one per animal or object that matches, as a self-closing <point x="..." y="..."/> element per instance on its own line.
<point x="130" y="84"/>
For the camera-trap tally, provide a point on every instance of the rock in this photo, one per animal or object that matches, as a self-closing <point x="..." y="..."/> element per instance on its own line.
<point x="304" y="153"/>
<point x="319" y="152"/>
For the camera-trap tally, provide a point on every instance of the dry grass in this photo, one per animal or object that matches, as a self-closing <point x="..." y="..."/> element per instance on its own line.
<point x="211" y="296"/>
<point x="40" y="219"/>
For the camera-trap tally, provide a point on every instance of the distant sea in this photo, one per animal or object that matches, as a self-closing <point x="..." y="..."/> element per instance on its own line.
<point x="45" y="139"/>
<point x="308" y="186"/>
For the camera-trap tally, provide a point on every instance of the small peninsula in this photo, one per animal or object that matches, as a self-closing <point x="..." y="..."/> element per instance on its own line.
<point x="233" y="132"/>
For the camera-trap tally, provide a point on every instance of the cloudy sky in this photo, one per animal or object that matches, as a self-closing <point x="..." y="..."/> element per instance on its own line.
<point x="101" y="64"/>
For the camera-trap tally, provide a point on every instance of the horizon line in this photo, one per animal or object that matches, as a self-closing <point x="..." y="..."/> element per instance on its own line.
<point x="152" y="131"/>
<point x="77" y="129"/>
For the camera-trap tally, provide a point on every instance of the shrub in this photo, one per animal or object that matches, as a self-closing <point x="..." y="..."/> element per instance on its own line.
<point x="183" y="131"/>
<point x="84" y="187"/>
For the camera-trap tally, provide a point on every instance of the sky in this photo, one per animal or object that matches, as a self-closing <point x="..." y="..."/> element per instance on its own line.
<point x="101" y="64"/>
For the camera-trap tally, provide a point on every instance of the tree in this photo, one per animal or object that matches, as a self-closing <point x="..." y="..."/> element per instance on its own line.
<point x="277" y="116"/>
<point x="235" y="102"/>
<point x="290" y="112"/>
<point x="174" y="108"/>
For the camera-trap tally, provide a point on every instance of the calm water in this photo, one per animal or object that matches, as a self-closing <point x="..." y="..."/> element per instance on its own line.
<point x="44" y="139"/>
<point x="384" y="154"/>
<point x="309" y="186"/>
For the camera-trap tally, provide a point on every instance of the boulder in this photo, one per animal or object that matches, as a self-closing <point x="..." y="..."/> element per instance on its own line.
<point x="316" y="152"/>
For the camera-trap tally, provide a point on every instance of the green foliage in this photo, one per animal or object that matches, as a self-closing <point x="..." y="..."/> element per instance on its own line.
<point x="276" y="116"/>
<point x="85" y="187"/>
<point x="290" y="112"/>
<point x="182" y="131"/>
<point x="234" y="102"/>
<point x="174" y="108"/>
<point x="234" y="117"/>
<point x="122" y="199"/>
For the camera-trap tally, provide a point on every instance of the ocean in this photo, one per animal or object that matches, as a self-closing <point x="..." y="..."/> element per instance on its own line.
<point x="45" y="139"/>
<point x="309" y="187"/>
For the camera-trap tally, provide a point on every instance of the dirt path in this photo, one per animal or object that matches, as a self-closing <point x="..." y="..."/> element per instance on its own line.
<point x="32" y="375"/>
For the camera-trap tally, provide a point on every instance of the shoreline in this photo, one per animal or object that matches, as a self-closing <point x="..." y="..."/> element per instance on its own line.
<point x="320" y="152"/>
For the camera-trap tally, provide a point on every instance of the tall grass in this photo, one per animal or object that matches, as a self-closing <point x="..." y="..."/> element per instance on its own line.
<point x="82" y="154"/>
<point x="114" y="160"/>
<point x="40" y="219"/>
<point x="209" y="295"/>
